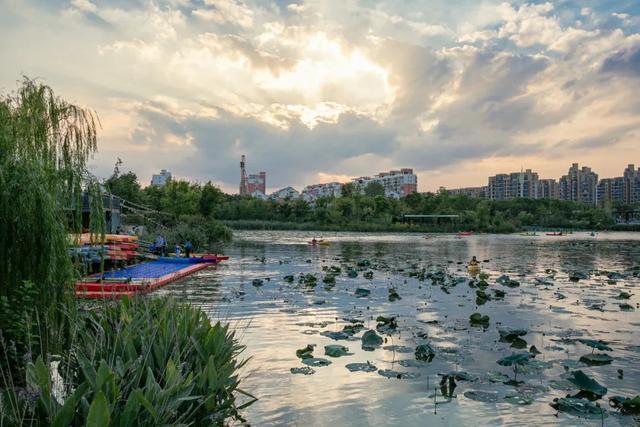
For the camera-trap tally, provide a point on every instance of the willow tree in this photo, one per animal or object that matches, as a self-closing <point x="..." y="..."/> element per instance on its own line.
<point x="45" y="143"/>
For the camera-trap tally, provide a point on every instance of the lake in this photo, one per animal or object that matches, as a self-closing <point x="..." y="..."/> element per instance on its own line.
<point x="561" y="292"/>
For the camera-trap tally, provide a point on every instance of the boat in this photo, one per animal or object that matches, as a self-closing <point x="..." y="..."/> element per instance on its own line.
<point x="142" y="278"/>
<point x="320" y="243"/>
<point x="465" y="233"/>
<point x="473" y="268"/>
<point x="554" y="233"/>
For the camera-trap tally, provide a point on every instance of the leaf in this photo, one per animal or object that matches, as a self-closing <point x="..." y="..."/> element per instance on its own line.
<point x="99" y="413"/>
<point x="586" y="383"/>
<point x="66" y="414"/>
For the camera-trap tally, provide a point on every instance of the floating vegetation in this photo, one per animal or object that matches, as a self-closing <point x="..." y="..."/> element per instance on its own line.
<point x="334" y="350"/>
<point x="368" y="275"/>
<point x="389" y="373"/>
<point x="393" y="295"/>
<point x="305" y="353"/>
<point x="305" y="370"/>
<point x="477" y="319"/>
<point x="316" y="362"/>
<point x="424" y="353"/>
<point x="361" y="367"/>
<point x="336" y="335"/>
<point x="587" y="385"/>
<point x="362" y="293"/>
<point x="596" y="359"/>
<point x="482" y="396"/>
<point x="257" y="282"/>
<point x="595" y="345"/>
<point x="514" y="360"/>
<point x="577" y="406"/>
<point x="626" y="405"/>
<point x="371" y="340"/>
<point x="507" y="281"/>
<point x="518" y="399"/>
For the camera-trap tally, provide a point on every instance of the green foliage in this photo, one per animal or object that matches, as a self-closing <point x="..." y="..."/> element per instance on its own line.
<point x="44" y="146"/>
<point x="124" y="185"/>
<point x="374" y="189"/>
<point x="144" y="362"/>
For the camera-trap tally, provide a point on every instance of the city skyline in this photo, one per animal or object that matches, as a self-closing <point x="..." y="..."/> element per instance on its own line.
<point x="317" y="91"/>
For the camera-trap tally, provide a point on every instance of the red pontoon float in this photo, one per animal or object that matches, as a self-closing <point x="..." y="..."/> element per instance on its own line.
<point x="143" y="278"/>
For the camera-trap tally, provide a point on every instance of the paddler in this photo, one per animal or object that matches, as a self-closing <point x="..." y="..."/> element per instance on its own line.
<point x="474" y="262"/>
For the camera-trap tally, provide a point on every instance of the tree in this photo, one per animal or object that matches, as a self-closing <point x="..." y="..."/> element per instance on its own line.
<point x="349" y="190"/>
<point x="374" y="189"/>
<point x="125" y="185"/>
<point x="210" y="198"/>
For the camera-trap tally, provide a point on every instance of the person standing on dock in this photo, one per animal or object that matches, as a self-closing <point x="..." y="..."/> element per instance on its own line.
<point x="187" y="249"/>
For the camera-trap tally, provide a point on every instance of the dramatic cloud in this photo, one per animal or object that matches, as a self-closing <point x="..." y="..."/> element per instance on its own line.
<point x="318" y="90"/>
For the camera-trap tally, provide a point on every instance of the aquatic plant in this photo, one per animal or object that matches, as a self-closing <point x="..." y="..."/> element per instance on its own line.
<point x="144" y="362"/>
<point x="424" y="353"/>
<point x="587" y="385"/>
<point x="371" y="340"/>
<point x="478" y="319"/>
<point x="514" y="360"/>
<point x="626" y="405"/>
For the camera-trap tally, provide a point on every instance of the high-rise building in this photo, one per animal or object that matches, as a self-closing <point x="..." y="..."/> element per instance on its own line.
<point x="473" y="192"/>
<point x="159" y="180"/>
<point x="612" y="190"/>
<point x="579" y="185"/>
<point x="631" y="178"/>
<point x="396" y="183"/>
<point x="548" y="189"/>
<point x="498" y="188"/>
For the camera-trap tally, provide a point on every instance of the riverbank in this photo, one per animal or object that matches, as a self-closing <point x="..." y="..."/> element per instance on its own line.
<point x="372" y="227"/>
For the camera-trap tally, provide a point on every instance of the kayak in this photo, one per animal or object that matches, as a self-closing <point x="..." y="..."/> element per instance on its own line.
<point x="465" y="233"/>
<point x="320" y="243"/>
<point x="473" y="268"/>
<point x="554" y="234"/>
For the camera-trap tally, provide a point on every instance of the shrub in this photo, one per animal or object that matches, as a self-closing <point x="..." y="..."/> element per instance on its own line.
<point x="133" y="363"/>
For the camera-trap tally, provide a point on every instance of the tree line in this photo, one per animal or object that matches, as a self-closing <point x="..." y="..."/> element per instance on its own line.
<point x="369" y="210"/>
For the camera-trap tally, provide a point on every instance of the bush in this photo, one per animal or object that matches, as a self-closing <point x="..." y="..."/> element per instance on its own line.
<point x="135" y="363"/>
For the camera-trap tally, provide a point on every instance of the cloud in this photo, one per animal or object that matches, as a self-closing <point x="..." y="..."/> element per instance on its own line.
<point x="318" y="89"/>
<point x="625" y="62"/>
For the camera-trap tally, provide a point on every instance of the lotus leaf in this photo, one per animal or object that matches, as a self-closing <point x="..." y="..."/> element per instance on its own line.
<point x="334" y="350"/>
<point x="389" y="373"/>
<point x="305" y="370"/>
<point x="361" y="367"/>
<point x="305" y="353"/>
<point x="425" y="353"/>
<point x="586" y="383"/>
<point x="579" y="407"/>
<point x="313" y="361"/>
<point x="598" y="345"/>
<point x="482" y="396"/>
<point x="361" y="293"/>
<point x="370" y="340"/>
<point x="596" y="359"/>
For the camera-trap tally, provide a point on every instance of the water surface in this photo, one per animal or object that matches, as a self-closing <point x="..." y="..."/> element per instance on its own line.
<point x="277" y="318"/>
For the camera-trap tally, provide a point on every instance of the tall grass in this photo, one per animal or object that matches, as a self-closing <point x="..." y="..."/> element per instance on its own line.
<point x="131" y="363"/>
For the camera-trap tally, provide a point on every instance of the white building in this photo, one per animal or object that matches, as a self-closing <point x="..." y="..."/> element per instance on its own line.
<point x="396" y="183"/>
<point x="257" y="194"/>
<point x="161" y="179"/>
<point x="285" y="194"/>
<point x="316" y="191"/>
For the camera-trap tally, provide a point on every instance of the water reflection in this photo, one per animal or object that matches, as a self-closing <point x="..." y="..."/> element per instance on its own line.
<point x="277" y="318"/>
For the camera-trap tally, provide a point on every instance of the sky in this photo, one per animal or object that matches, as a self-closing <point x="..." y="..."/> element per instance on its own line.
<point x="318" y="91"/>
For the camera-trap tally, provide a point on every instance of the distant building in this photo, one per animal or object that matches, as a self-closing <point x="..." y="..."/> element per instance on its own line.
<point x="257" y="194"/>
<point x="631" y="178"/>
<point x="548" y="189"/>
<point x="396" y="183"/>
<point x="286" y="193"/>
<point x="498" y="188"/>
<point x="257" y="182"/>
<point x="579" y="185"/>
<point x="252" y="183"/>
<point x="611" y="190"/>
<point x="161" y="179"/>
<point x="473" y="192"/>
<point x="316" y="191"/>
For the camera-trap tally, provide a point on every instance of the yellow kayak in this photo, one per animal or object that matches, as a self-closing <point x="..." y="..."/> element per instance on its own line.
<point x="473" y="268"/>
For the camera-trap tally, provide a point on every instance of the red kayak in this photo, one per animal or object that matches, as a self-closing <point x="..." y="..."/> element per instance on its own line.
<point x="554" y="234"/>
<point x="465" y="233"/>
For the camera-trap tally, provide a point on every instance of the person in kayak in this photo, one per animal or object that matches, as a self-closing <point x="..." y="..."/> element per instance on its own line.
<point x="314" y="241"/>
<point x="187" y="249"/>
<point x="474" y="262"/>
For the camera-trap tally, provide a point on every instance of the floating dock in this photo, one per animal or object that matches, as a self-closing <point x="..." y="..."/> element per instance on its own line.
<point x="142" y="278"/>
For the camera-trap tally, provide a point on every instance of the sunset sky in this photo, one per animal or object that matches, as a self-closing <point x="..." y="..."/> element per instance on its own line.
<point x="314" y="91"/>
